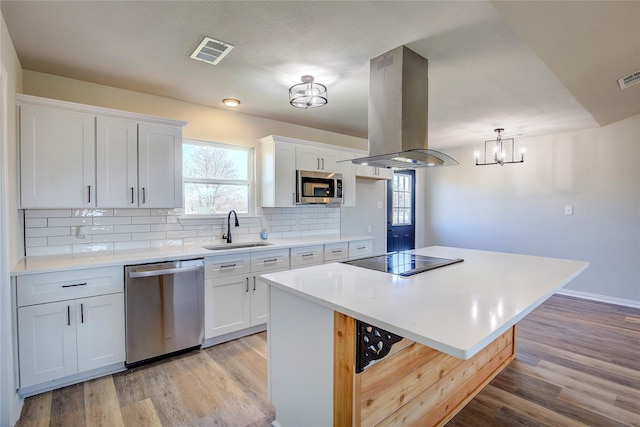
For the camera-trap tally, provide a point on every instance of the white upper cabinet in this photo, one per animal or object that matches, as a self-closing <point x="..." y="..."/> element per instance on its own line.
<point x="278" y="173"/>
<point x="57" y="158"/>
<point x="371" y="172"/>
<point x="77" y="156"/>
<point x="282" y="156"/>
<point x="310" y="158"/>
<point x="159" y="166"/>
<point x="348" y="171"/>
<point x="117" y="162"/>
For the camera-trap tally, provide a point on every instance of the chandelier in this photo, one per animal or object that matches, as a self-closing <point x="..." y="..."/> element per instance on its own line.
<point x="307" y="94"/>
<point x="498" y="150"/>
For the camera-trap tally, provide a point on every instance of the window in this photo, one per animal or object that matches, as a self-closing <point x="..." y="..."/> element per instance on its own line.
<point x="217" y="178"/>
<point x="401" y="209"/>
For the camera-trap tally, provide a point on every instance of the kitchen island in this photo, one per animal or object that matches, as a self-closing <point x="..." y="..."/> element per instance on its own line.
<point x="455" y="328"/>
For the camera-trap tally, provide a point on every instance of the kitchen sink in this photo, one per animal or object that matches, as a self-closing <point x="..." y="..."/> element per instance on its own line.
<point x="227" y="246"/>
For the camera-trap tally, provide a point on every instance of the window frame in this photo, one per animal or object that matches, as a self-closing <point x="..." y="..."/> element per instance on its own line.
<point x="250" y="182"/>
<point x="408" y="193"/>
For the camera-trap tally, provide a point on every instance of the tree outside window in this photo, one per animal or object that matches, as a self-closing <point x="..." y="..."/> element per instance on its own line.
<point x="217" y="178"/>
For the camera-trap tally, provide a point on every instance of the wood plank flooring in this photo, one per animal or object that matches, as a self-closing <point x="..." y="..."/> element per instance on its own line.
<point x="577" y="364"/>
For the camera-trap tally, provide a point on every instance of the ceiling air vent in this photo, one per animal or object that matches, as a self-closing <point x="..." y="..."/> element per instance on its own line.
<point x="629" y="80"/>
<point x="211" y="51"/>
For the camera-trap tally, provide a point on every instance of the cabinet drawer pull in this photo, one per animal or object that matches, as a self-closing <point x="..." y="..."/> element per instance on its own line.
<point x="81" y="313"/>
<point x="336" y="251"/>
<point x="68" y="315"/>
<point x="132" y="195"/>
<point x="270" y="260"/>
<point x="307" y="255"/>
<point x="74" y="285"/>
<point x="228" y="266"/>
<point x="362" y="247"/>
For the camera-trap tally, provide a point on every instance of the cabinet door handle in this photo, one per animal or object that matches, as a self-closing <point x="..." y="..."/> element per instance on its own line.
<point x="68" y="315"/>
<point x="254" y="283"/>
<point x="293" y="198"/>
<point x="89" y="191"/>
<point x="144" y="195"/>
<point x="74" y="285"/>
<point x="131" y="195"/>
<point x="247" y="284"/>
<point x="322" y="164"/>
<point x="81" y="313"/>
<point x="318" y="162"/>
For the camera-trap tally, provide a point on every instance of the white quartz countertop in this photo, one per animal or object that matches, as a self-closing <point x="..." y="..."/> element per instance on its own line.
<point x="457" y="309"/>
<point x="50" y="263"/>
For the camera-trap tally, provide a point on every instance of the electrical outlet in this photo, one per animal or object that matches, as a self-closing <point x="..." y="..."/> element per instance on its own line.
<point x="379" y="205"/>
<point x="568" y="210"/>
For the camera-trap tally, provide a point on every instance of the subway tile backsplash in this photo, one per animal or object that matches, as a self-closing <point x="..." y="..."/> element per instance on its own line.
<point x="66" y="231"/>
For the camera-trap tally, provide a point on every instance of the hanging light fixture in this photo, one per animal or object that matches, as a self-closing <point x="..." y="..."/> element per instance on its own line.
<point x="498" y="151"/>
<point x="307" y="94"/>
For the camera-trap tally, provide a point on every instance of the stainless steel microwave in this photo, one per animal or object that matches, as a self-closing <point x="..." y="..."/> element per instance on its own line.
<point x="318" y="187"/>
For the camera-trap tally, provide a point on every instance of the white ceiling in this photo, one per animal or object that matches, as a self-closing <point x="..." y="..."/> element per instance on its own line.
<point x="530" y="67"/>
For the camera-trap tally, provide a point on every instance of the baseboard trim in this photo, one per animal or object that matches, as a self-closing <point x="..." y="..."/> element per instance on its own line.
<point x="234" y="335"/>
<point x="72" y="379"/>
<point x="18" y="401"/>
<point x="600" y="298"/>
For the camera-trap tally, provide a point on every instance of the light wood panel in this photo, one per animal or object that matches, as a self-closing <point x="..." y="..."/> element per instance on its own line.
<point x="427" y="391"/>
<point x="344" y="362"/>
<point x="571" y="353"/>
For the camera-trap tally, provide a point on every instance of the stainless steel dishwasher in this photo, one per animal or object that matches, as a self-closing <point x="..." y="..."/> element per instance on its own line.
<point x="164" y="309"/>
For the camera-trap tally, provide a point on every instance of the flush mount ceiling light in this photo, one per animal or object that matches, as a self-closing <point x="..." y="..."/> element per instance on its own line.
<point x="231" y="102"/>
<point x="499" y="150"/>
<point x="308" y="94"/>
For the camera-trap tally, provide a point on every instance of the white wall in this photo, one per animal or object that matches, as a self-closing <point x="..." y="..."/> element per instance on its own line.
<point x="10" y="221"/>
<point x="205" y="123"/>
<point x="355" y="220"/>
<point x="520" y="208"/>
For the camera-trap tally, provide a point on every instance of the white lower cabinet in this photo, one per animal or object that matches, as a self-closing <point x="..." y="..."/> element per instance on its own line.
<point x="238" y="301"/>
<point x="305" y="256"/>
<point x="61" y="338"/>
<point x="226" y="305"/>
<point x="336" y="252"/>
<point x="360" y="248"/>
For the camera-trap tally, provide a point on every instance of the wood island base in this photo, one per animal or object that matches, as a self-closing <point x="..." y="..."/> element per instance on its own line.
<point x="413" y="385"/>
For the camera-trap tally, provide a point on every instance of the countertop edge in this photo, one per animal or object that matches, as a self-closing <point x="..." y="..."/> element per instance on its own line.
<point x="62" y="262"/>
<point x="461" y="353"/>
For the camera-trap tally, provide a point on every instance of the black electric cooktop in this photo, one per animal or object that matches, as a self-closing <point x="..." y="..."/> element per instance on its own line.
<point x="402" y="263"/>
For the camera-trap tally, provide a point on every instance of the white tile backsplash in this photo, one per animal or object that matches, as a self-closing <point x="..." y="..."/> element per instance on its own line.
<point x="53" y="231"/>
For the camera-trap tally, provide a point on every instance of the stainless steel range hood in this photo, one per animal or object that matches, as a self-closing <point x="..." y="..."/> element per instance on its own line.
<point x="398" y="113"/>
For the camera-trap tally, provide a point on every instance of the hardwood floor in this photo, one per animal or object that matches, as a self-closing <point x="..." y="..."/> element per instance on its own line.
<point x="578" y="364"/>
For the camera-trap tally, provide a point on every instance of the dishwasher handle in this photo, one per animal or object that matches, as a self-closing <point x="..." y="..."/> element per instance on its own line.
<point x="163" y="271"/>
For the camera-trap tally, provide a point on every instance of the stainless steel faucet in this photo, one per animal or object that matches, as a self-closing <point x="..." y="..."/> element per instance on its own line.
<point x="228" y="235"/>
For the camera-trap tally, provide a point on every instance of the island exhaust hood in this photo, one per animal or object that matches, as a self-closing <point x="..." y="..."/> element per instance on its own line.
<point x="398" y="113"/>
